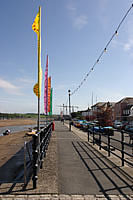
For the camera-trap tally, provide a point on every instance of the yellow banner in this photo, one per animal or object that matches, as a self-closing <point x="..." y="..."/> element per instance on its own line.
<point x="36" y="24"/>
<point x="37" y="29"/>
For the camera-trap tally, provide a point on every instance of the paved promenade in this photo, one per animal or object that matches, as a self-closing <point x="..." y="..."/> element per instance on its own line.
<point x="79" y="171"/>
<point x="83" y="170"/>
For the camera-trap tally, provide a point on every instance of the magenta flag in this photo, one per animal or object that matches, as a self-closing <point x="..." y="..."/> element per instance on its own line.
<point x="46" y="88"/>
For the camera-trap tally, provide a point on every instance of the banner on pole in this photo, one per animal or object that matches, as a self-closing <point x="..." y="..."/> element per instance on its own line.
<point x="46" y="88"/>
<point x="49" y="92"/>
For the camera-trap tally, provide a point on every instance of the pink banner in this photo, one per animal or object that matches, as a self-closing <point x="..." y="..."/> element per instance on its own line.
<point x="46" y="89"/>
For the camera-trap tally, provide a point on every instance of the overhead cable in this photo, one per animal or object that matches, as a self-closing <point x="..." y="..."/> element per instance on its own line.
<point x="103" y="51"/>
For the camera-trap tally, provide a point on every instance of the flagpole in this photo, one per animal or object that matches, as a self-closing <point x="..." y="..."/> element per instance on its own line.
<point x="39" y="68"/>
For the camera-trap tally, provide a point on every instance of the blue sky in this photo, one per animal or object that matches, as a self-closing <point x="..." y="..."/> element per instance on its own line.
<point x="74" y="32"/>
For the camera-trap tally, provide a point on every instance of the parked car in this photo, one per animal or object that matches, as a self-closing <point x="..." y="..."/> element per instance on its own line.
<point x="78" y="123"/>
<point x="129" y="128"/>
<point x="108" y="130"/>
<point x="97" y="129"/>
<point x="118" y="125"/>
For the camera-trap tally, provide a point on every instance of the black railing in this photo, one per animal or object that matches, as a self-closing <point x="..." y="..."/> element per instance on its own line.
<point x="39" y="147"/>
<point x="97" y="138"/>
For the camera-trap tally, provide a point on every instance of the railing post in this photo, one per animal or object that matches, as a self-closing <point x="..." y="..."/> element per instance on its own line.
<point x="41" y="148"/>
<point x="70" y="125"/>
<point x="25" y="163"/>
<point x="108" y="144"/>
<point x="35" y="160"/>
<point x="99" y="141"/>
<point x="88" y="134"/>
<point x="93" y="136"/>
<point x="122" y="147"/>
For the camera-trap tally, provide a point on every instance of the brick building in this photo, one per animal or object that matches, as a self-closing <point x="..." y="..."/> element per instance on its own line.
<point x="124" y="110"/>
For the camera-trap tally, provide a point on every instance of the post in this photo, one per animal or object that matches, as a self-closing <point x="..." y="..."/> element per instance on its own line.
<point x="122" y="147"/>
<point x="63" y="109"/>
<point x="63" y="114"/>
<point x="108" y="144"/>
<point x="88" y="134"/>
<point x="35" y="160"/>
<point x="39" y="68"/>
<point x="69" y="110"/>
<point x="25" y="163"/>
<point x="93" y="135"/>
<point x="99" y="141"/>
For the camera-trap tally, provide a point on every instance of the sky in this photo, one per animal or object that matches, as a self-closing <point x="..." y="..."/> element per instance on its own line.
<point x="74" y="33"/>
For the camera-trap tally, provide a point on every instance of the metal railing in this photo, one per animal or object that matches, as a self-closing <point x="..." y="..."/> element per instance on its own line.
<point x="27" y="162"/>
<point x="100" y="139"/>
<point x="39" y="147"/>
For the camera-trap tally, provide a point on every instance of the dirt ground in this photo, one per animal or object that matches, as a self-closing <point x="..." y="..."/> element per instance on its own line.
<point x="14" y="141"/>
<point x="11" y="144"/>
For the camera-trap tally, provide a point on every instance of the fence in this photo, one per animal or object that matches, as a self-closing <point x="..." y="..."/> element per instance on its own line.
<point x="125" y="149"/>
<point x="15" y="161"/>
<point x="39" y="147"/>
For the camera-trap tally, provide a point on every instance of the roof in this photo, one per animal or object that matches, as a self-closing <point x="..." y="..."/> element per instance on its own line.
<point x="125" y="99"/>
<point x="99" y="104"/>
<point x="102" y="104"/>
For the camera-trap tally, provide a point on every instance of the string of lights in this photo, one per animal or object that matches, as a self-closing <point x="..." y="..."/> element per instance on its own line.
<point x="103" y="51"/>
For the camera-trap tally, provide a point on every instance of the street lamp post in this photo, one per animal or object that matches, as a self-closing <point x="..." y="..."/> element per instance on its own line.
<point x="69" y="110"/>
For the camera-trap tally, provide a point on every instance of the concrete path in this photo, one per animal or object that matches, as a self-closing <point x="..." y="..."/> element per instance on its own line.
<point x="83" y="170"/>
<point x="75" y="170"/>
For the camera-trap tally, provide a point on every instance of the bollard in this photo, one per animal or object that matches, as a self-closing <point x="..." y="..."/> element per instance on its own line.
<point x="53" y="126"/>
<point x="70" y="124"/>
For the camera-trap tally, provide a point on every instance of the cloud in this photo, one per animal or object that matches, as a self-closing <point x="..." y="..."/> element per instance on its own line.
<point x="9" y="87"/>
<point x="78" y="20"/>
<point x="26" y="81"/>
<point x="128" y="46"/>
<point x="103" y="13"/>
<point x="71" y="8"/>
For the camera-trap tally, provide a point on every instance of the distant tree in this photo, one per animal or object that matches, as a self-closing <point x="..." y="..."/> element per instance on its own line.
<point x="76" y="115"/>
<point x="105" y="116"/>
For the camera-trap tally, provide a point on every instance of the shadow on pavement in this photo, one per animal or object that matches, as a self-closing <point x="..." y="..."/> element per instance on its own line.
<point x="108" y="179"/>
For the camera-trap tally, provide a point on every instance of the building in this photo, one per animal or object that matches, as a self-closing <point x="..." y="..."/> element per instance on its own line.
<point x="101" y="111"/>
<point x="104" y="112"/>
<point x="124" y="110"/>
